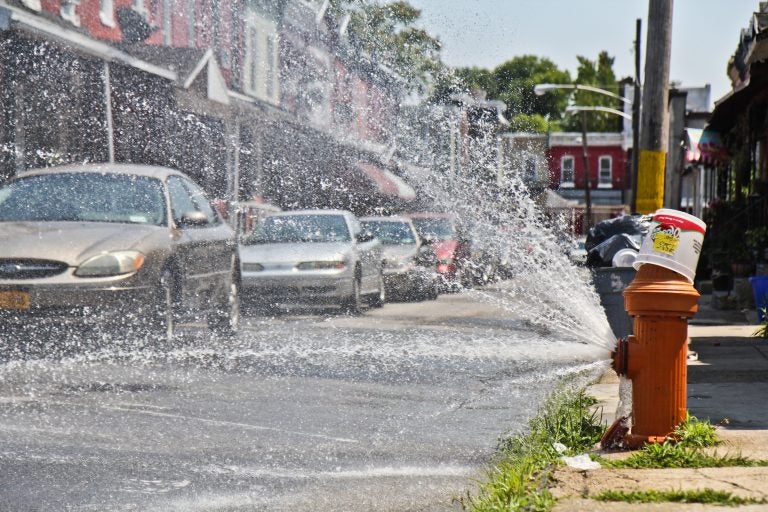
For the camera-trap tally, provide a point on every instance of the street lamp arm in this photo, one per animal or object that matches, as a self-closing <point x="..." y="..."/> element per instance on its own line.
<point x="540" y="89"/>
<point x="577" y="108"/>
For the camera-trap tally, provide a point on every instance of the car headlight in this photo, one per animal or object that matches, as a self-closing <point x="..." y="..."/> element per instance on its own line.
<point x="320" y="265"/>
<point x="111" y="264"/>
<point x="252" y="267"/>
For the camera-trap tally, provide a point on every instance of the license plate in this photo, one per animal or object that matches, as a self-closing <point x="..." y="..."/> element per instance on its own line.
<point x="14" y="300"/>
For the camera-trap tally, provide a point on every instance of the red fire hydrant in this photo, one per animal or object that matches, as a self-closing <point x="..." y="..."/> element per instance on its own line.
<point x="660" y="301"/>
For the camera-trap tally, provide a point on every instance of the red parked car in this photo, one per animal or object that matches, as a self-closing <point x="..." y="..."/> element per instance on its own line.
<point x="450" y="244"/>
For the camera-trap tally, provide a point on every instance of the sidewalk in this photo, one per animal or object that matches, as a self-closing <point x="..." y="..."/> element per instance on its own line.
<point x="728" y="385"/>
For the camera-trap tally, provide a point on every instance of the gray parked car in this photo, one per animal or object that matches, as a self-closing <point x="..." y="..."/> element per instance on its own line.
<point x="136" y="245"/>
<point x="312" y="257"/>
<point x="409" y="265"/>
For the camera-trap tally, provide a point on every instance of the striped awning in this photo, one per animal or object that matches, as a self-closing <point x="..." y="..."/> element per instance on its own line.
<point x="387" y="183"/>
<point x="712" y="147"/>
<point x="704" y="147"/>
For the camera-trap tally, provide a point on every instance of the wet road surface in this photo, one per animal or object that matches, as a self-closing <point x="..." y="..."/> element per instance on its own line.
<point x="396" y="409"/>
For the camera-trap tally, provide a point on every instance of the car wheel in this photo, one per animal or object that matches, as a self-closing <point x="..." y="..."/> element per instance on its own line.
<point x="163" y="320"/>
<point x="354" y="303"/>
<point x="432" y="292"/>
<point x="465" y="279"/>
<point x="380" y="297"/>
<point x="226" y="320"/>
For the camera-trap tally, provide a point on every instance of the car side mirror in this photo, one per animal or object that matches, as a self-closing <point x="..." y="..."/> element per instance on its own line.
<point x="365" y="236"/>
<point x="194" y="218"/>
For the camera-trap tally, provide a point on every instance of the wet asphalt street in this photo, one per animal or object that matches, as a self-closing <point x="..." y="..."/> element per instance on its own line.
<point x="396" y="409"/>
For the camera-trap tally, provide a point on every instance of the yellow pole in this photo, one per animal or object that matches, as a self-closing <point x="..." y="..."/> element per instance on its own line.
<point x="650" y="180"/>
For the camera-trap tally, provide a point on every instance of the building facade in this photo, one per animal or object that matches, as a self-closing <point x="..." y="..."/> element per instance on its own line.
<point x="251" y="98"/>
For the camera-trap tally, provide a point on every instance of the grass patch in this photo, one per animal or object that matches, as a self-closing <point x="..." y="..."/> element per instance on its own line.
<point x="692" y="436"/>
<point x="696" y="433"/>
<point x="521" y="477"/>
<point x="678" y="455"/>
<point x="704" y="496"/>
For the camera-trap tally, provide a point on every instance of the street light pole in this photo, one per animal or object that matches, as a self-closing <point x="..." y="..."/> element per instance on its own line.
<point x="635" y="122"/>
<point x="587" y="180"/>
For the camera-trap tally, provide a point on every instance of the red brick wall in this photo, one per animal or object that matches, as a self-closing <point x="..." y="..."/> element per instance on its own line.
<point x="619" y="164"/>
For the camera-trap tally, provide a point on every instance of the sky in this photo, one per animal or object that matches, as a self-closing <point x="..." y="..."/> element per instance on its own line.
<point x="486" y="33"/>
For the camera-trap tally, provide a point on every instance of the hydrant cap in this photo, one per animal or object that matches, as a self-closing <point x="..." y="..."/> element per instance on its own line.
<point x="659" y="291"/>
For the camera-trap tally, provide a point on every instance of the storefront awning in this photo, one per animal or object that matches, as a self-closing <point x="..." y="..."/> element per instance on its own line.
<point x="730" y="107"/>
<point x="386" y="183"/>
<point x="18" y="18"/>
<point x="712" y="147"/>
<point x="192" y="66"/>
<point x="692" y="151"/>
<point x="704" y="147"/>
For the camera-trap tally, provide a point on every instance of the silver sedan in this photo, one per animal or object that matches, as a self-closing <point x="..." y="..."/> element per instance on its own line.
<point x="409" y="267"/>
<point x="312" y="257"/>
<point x="126" y="244"/>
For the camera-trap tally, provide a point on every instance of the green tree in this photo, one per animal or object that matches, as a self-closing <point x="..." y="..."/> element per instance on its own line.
<point x="477" y="78"/>
<point x="512" y="82"/>
<point x="534" y="123"/>
<point x="599" y="74"/>
<point x="516" y="78"/>
<point x="459" y="81"/>
<point x="387" y="33"/>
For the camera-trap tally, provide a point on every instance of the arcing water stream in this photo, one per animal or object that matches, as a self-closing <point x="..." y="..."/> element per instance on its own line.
<point x="286" y="414"/>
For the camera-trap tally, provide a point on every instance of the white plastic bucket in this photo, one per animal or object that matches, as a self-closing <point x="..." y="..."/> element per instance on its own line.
<point x="674" y="242"/>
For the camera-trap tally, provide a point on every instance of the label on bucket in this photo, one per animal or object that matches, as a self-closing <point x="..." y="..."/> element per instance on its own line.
<point x="674" y="242"/>
<point x="666" y="242"/>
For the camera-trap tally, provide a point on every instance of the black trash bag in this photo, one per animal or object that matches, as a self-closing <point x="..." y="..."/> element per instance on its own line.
<point x="602" y="254"/>
<point x="635" y="225"/>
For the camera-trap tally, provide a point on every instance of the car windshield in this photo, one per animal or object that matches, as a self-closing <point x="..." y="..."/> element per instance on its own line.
<point x="84" y="197"/>
<point x="435" y="229"/>
<point x="391" y="232"/>
<point x="301" y="228"/>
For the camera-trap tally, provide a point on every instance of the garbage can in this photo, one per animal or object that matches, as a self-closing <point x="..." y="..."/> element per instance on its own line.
<point x="760" y="292"/>
<point x="609" y="284"/>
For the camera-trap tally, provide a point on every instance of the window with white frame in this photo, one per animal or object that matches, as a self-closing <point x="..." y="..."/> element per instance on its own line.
<point x="605" y="177"/>
<point x="68" y="11"/>
<point x="107" y="13"/>
<point x="141" y="7"/>
<point x="567" y="164"/>
<point x="262" y="77"/>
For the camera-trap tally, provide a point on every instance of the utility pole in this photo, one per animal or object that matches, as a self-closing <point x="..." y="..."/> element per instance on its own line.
<point x="587" y="180"/>
<point x="654" y="125"/>
<point x="635" y="119"/>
